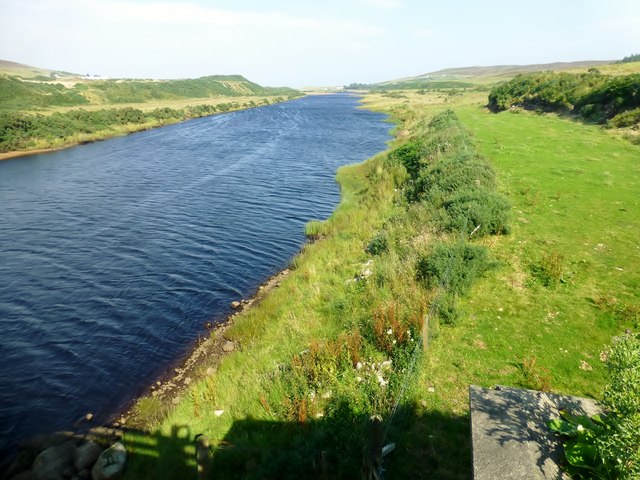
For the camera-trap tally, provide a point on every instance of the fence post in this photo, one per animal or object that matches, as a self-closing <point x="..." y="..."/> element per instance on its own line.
<point x="202" y="456"/>
<point x="373" y="456"/>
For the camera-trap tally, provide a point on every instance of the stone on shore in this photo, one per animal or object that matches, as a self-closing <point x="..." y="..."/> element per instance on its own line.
<point x="86" y="455"/>
<point x="52" y="462"/>
<point x="235" y="304"/>
<point x="228" y="346"/>
<point x="110" y="464"/>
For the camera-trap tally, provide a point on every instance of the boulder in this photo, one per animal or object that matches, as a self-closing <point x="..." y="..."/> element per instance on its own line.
<point x="84" y="474"/>
<point x="52" y="462"/>
<point x="22" y="462"/>
<point x="235" y="304"/>
<point x="86" y="455"/>
<point x="23" y="476"/>
<point x="69" y="472"/>
<point x="228" y="346"/>
<point x="110" y="463"/>
<point x="42" y="441"/>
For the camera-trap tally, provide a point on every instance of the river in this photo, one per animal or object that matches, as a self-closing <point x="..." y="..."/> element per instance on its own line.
<point x="113" y="255"/>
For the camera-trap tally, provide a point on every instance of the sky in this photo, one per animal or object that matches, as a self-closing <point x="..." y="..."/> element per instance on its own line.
<point x="310" y="43"/>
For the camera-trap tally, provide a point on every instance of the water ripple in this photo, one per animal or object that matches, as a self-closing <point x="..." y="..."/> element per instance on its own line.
<point x="114" y="254"/>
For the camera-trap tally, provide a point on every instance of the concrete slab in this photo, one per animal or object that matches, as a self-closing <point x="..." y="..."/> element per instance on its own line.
<point x="510" y="437"/>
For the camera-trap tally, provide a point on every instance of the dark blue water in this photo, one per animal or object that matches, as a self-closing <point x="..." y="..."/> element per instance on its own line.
<point x="113" y="255"/>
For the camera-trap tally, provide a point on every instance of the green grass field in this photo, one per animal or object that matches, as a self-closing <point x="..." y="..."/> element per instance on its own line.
<point x="567" y="283"/>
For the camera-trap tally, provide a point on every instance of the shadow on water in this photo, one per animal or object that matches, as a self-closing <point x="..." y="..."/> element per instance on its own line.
<point x="428" y="445"/>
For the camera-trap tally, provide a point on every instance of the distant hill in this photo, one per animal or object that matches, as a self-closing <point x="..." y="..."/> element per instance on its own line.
<point x="23" y="87"/>
<point x="512" y="70"/>
<point x="467" y="77"/>
<point x="28" y="72"/>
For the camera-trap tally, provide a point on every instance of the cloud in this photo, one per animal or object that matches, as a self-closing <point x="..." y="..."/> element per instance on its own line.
<point x="424" y="33"/>
<point x="166" y="40"/>
<point x="385" y="4"/>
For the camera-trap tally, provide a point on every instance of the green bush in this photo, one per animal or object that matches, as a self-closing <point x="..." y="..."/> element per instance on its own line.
<point x="620" y="445"/>
<point x="378" y="244"/>
<point x="453" y="266"/>
<point x="608" y="446"/>
<point x="595" y="97"/>
<point x="482" y="211"/>
<point x="463" y="171"/>
<point x="409" y="155"/>
<point x="626" y="119"/>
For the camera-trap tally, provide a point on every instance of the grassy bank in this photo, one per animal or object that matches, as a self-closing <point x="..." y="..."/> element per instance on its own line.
<point x="23" y="132"/>
<point x="340" y="338"/>
<point x="52" y="113"/>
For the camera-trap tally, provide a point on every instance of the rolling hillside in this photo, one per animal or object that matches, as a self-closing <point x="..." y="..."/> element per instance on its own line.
<point x="469" y="77"/>
<point x="28" y="72"/>
<point x="24" y="88"/>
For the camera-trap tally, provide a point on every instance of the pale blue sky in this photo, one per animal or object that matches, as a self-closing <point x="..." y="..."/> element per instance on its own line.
<point x="300" y="43"/>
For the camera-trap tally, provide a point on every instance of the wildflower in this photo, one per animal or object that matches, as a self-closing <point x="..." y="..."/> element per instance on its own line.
<point x="389" y="332"/>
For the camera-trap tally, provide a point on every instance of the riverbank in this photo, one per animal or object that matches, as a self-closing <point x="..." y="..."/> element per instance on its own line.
<point x="204" y="356"/>
<point x="318" y="354"/>
<point x="35" y="133"/>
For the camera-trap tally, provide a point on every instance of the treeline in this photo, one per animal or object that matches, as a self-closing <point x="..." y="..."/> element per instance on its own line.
<point x="18" y="94"/>
<point x="22" y="131"/>
<point x="592" y="96"/>
<point x="631" y="58"/>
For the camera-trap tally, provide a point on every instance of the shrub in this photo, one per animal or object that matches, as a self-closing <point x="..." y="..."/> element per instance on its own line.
<point x="378" y="244"/>
<point x="454" y="266"/>
<point x="608" y="446"/>
<point x="625" y="119"/>
<point x="482" y="209"/>
<point x="410" y="156"/>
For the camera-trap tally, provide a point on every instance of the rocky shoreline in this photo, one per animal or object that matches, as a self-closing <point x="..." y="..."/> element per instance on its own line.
<point x="55" y="455"/>
<point x="170" y="386"/>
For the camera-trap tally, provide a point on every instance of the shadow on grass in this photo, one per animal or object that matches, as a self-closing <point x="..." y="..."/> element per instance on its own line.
<point x="158" y="456"/>
<point x="428" y="445"/>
